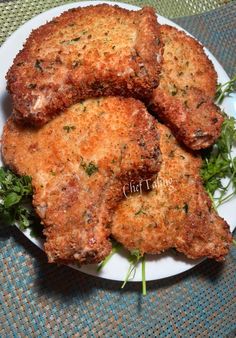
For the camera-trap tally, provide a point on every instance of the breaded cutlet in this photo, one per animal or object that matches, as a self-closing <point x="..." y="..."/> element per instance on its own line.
<point x="184" y="99"/>
<point x="174" y="212"/>
<point x="79" y="163"/>
<point x="86" y="52"/>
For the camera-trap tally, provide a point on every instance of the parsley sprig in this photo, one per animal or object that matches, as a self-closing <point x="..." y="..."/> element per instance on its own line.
<point x="15" y="195"/>
<point x="115" y="248"/>
<point x="219" y="163"/>
<point x="134" y="258"/>
<point x="224" y="90"/>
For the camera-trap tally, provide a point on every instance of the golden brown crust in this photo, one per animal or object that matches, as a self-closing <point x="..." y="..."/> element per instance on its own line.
<point x="185" y="62"/>
<point x="192" y="116"/>
<point x="79" y="163"/>
<point x="184" y="97"/>
<point x="86" y="52"/>
<point x="176" y="213"/>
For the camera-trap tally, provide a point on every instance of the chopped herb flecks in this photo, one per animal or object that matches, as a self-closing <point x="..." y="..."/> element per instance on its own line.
<point x="89" y="168"/>
<point x="173" y="90"/>
<point x="140" y="212"/>
<point x="70" y="42"/>
<point x="68" y="128"/>
<point x="38" y="66"/>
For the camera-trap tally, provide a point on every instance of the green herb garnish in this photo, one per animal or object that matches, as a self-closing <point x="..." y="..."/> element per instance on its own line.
<point x="115" y="248"/>
<point x="144" y="288"/>
<point x="38" y="66"/>
<point x="219" y="163"/>
<point x="140" y="212"/>
<point x="173" y="90"/>
<point x="70" y="42"/>
<point x="224" y="90"/>
<point x="134" y="258"/>
<point x="15" y="195"/>
<point x="69" y="128"/>
<point x="89" y="168"/>
<point x="53" y="173"/>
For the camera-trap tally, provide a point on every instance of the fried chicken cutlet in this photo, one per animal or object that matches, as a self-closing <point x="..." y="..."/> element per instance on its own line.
<point x="184" y="98"/>
<point x="175" y="213"/>
<point x="79" y="162"/>
<point x="86" y="52"/>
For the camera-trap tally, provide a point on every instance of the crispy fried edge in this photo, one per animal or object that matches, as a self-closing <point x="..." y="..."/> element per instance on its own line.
<point x="198" y="48"/>
<point x="148" y="46"/>
<point x="182" y="245"/>
<point x="166" y="107"/>
<point x="149" y="168"/>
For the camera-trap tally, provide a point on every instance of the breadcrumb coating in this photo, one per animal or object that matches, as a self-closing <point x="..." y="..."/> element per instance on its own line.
<point x="86" y="52"/>
<point x="175" y="212"/>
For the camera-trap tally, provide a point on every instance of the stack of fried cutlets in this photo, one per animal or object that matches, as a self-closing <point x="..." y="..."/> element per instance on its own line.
<point x="80" y="130"/>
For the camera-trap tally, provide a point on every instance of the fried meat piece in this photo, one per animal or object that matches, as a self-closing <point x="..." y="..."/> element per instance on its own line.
<point x="174" y="212"/>
<point x="86" y="52"/>
<point x="185" y="95"/>
<point x="79" y="163"/>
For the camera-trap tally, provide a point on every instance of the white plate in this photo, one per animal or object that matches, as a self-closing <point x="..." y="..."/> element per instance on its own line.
<point x="157" y="267"/>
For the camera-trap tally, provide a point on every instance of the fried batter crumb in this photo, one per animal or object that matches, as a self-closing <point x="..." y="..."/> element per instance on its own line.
<point x="84" y="53"/>
<point x="79" y="163"/>
<point x="184" y="98"/>
<point x="175" y="213"/>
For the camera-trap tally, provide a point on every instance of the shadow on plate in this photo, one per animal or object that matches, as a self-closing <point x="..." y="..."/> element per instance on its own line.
<point x="6" y="105"/>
